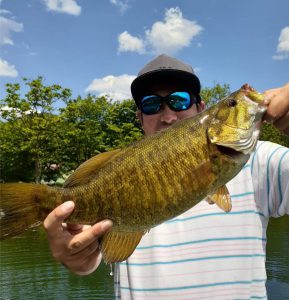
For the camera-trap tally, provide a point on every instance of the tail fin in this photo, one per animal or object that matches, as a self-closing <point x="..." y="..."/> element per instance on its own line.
<point x="19" y="207"/>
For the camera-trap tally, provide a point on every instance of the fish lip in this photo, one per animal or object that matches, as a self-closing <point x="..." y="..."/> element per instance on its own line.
<point x="261" y="107"/>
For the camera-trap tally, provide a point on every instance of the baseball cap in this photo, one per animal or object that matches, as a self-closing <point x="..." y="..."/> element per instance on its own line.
<point x="163" y="68"/>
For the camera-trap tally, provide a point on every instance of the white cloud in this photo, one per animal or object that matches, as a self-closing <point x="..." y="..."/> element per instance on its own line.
<point x="167" y="36"/>
<point x="116" y="87"/>
<point x="7" y="26"/>
<point x="121" y="4"/>
<point x="17" y="111"/>
<point x="127" y="43"/>
<point x="4" y="11"/>
<point x="6" y="69"/>
<point x="283" y="45"/>
<point x="174" y="33"/>
<point x="281" y="56"/>
<point x="63" y="6"/>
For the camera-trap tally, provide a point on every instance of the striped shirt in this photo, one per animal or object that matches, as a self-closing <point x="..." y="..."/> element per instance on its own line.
<point x="206" y="253"/>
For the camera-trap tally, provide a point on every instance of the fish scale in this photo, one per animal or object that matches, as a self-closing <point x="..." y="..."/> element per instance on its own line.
<point x="150" y="181"/>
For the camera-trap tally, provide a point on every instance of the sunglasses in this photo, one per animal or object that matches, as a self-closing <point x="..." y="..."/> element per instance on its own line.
<point x="176" y="101"/>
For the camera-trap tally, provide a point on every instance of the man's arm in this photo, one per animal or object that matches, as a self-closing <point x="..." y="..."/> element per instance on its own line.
<point x="270" y="163"/>
<point x="270" y="174"/>
<point x="75" y="246"/>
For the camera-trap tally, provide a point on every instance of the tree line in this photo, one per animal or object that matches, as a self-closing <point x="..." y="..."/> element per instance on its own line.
<point x="45" y="132"/>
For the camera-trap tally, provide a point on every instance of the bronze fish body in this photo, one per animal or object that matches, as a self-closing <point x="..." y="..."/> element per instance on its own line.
<point x="150" y="181"/>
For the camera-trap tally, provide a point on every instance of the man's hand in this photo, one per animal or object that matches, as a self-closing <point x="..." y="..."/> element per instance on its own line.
<point x="278" y="107"/>
<point x="75" y="246"/>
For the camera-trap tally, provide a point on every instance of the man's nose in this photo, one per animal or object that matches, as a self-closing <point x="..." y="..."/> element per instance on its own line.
<point x="168" y="116"/>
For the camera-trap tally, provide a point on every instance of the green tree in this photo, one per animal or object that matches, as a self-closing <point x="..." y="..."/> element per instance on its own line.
<point x="123" y="127"/>
<point x="31" y="121"/>
<point x="15" y="165"/>
<point x="83" y="127"/>
<point x="33" y="134"/>
<point x="96" y="124"/>
<point x="212" y="95"/>
<point x="272" y="134"/>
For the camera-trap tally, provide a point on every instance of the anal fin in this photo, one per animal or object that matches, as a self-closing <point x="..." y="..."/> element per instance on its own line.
<point x="117" y="246"/>
<point x="222" y="198"/>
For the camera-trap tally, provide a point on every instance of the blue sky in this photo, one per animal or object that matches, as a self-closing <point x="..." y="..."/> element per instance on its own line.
<point x="98" y="46"/>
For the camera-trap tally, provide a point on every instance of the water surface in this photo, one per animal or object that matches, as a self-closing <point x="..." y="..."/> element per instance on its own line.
<point x="29" y="272"/>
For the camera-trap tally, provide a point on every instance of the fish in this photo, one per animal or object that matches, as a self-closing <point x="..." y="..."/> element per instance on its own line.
<point x="152" y="180"/>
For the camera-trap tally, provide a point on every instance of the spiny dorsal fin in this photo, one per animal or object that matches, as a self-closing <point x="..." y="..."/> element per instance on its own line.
<point x="117" y="246"/>
<point x="222" y="198"/>
<point x="86" y="171"/>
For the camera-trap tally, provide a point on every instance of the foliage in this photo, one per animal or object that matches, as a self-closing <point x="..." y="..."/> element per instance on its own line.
<point x="31" y="124"/>
<point x="15" y="165"/>
<point x="38" y="142"/>
<point x="270" y="133"/>
<point x="123" y="126"/>
<point x="93" y="125"/>
<point x="41" y="143"/>
<point x="212" y="95"/>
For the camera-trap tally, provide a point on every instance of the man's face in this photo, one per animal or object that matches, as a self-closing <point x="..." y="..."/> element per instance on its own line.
<point x="165" y="117"/>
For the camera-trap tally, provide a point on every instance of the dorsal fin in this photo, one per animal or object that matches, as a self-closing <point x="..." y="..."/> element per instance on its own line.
<point x="222" y="198"/>
<point x="86" y="171"/>
<point x="117" y="246"/>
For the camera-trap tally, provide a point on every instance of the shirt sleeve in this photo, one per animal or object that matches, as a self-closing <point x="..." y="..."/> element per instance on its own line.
<point x="270" y="173"/>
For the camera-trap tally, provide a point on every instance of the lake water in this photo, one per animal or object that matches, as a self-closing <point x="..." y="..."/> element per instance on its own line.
<point x="29" y="272"/>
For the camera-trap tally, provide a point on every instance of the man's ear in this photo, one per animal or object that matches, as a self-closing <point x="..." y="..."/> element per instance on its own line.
<point x="201" y="106"/>
<point x="139" y="116"/>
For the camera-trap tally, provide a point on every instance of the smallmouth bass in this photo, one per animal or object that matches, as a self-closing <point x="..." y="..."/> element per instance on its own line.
<point x="150" y="181"/>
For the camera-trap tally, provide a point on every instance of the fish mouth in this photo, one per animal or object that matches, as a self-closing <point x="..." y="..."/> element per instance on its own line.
<point x="244" y="145"/>
<point x="225" y="150"/>
<point x="248" y="140"/>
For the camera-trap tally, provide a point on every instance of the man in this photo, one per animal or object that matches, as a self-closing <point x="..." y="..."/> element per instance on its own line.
<point x="203" y="253"/>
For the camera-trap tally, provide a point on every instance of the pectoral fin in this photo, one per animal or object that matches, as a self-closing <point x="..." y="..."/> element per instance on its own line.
<point x="222" y="198"/>
<point x="117" y="246"/>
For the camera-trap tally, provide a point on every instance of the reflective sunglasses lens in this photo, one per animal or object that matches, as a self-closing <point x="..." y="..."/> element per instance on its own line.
<point x="151" y="104"/>
<point x="180" y="101"/>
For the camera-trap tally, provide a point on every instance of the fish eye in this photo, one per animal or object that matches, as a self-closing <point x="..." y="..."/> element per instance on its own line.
<point x="232" y="102"/>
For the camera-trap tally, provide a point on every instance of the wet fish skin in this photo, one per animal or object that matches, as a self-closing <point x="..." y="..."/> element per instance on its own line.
<point x="152" y="180"/>
<point x="165" y="174"/>
<point x="156" y="177"/>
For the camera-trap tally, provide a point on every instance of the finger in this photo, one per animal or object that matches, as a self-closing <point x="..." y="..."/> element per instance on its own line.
<point x="89" y="265"/>
<point x="272" y="92"/>
<point x="283" y="123"/>
<point x="278" y="100"/>
<point x="87" y="251"/>
<point x="276" y="110"/>
<point x="85" y="238"/>
<point x="53" y="222"/>
<point x="74" y="229"/>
